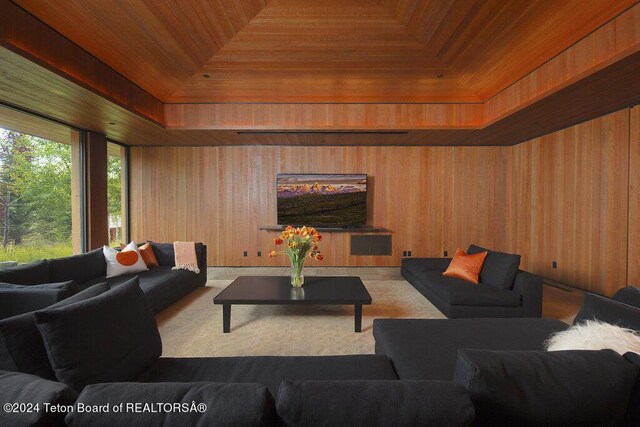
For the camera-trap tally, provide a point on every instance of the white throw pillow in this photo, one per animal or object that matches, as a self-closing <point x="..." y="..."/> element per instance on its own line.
<point x="595" y="335"/>
<point x="126" y="261"/>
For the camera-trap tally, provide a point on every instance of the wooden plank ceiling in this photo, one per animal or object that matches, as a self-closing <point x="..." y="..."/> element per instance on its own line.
<point x="324" y="50"/>
<point x="441" y="72"/>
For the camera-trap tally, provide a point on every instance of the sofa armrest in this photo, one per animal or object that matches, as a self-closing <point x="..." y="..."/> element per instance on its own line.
<point x="529" y="285"/>
<point x="18" y="299"/>
<point x="202" y="261"/>
<point x="603" y="309"/>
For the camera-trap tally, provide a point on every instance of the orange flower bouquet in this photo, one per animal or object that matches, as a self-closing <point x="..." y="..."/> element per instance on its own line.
<point x="299" y="243"/>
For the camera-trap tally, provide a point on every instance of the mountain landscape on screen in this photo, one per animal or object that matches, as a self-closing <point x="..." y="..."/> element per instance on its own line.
<point x="336" y="200"/>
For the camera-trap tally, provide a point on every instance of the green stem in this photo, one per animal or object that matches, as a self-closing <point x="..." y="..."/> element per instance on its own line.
<point x="296" y="272"/>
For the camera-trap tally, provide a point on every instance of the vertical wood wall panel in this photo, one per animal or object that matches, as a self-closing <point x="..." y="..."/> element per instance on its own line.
<point x="568" y="203"/>
<point x="633" y="277"/>
<point x="430" y="198"/>
<point x="563" y="197"/>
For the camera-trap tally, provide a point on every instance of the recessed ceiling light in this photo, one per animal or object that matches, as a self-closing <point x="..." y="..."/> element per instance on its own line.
<point x="205" y="75"/>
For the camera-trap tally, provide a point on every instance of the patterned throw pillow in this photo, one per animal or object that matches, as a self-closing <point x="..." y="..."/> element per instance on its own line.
<point x="127" y="261"/>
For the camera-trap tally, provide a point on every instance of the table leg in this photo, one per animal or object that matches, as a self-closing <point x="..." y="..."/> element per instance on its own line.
<point x="358" y="317"/>
<point x="226" y="318"/>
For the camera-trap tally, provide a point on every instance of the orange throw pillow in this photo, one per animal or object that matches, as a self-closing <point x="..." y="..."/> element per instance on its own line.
<point x="466" y="267"/>
<point x="148" y="256"/>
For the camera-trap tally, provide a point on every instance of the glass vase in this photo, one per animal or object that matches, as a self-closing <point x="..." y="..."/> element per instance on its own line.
<point x="297" y="279"/>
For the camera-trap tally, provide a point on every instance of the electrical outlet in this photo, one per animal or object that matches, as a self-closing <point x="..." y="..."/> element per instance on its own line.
<point x="245" y="253"/>
<point x="404" y="253"/>
<point x="409" y="253"/>
<point x="554" y="264"/>
<point x="259" y="253"/>
<point x="446" y="253"/>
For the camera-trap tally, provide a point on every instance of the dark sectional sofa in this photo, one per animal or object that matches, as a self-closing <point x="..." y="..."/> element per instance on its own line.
<point x="503" y="365"/>
<point x="503" y="290"/>
<point x="161" y="285"/>
<point x="102" y="349"/>
<point x="114" y="359"/>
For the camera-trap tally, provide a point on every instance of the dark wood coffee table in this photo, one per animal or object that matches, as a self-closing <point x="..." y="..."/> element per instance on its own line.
<point x="277" y="290"/>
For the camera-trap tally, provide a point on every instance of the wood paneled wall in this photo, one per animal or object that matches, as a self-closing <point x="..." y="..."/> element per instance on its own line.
<point x="563" y="197"/>
<point x="431" y="198"/>
<point x="633" y="274"/>
<point x="568" y="203"/>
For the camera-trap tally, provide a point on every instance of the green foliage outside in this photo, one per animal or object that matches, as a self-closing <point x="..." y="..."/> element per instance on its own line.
<point x="35" y="197"/>
<point x="114" y="199"/>
<point x="35" y="191"/>
<point x="28" y="253"/>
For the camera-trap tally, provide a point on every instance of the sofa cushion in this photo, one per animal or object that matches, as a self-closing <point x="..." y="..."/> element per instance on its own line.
<point x="466" y="267"/>
<point x="21" y="345"/>
<point x="582" y="388"/>
<point x="153" y="405"/>
<point x="148" y="256"/>
<point x="596" y="307"/>
<point x="166" y="256"/>
<point x="32" y="392"/>
<point x="420" y="264"/>
<point x="161" y="285"/>
<point x="269" y="370"/>
<point x="79" y="268"/>
<point x="633" y="408"/>
<point x="164" y="253"/>
<point x="110" y="337"/>
<point x="460" y="292"/>
<point x="426" y="349"/>
<point x="628" y="295"/>
<point x="499" y="268"/>
<point x="374" y="403"/>
<point x="18" y="299"/>
<point x="28" y="274"/>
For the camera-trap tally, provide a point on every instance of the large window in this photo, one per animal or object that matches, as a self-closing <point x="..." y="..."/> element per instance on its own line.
<point x="40" y="188"/>
<point x="116" y="193"/>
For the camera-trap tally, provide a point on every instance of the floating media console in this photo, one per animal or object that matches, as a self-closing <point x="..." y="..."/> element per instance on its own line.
<point x="361" y="244"/>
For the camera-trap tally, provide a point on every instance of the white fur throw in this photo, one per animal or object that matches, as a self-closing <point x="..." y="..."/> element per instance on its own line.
<point x="595" y="335"/>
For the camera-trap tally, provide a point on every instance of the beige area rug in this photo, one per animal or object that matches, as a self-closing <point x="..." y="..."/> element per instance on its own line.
<point x="193" y="326"/>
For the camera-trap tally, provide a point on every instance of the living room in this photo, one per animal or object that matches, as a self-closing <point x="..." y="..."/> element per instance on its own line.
<point x="516" y="129"/>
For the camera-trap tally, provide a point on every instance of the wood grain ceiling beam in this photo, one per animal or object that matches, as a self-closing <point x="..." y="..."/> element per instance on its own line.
<point x="31" y="38"/>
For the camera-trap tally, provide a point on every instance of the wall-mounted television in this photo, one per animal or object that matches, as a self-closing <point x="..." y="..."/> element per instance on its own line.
<point x="322" y="200"/>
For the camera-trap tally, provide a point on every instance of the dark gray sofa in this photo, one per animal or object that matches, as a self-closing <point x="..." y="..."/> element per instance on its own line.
<point x="449" y="350"/>
<point x="123" y="367"/>
<point x="503" y="289"/>
<point x="161" y="285"/>
<point x="427" y="348"/>
<point x="123" y="379"/>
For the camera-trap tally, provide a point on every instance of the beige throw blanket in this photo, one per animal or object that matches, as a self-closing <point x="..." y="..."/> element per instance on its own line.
<point x="186" y="256"/>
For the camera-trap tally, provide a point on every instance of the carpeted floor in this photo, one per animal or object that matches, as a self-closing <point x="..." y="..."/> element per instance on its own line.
<point x="193" y="326"/>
